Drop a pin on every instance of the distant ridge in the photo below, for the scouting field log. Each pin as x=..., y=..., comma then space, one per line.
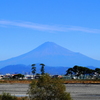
x=23, y=69
x=51, y=54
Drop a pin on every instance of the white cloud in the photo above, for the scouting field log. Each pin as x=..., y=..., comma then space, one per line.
x=48, y=27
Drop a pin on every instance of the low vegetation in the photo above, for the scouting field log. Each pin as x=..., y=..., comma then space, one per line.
x=65, y=81
x=15, y=81
x=8, y=96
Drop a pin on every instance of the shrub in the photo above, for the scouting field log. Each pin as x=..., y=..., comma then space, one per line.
x=7, y=96
x=46, y=88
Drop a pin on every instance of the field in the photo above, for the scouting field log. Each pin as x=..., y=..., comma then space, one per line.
x=65, y=81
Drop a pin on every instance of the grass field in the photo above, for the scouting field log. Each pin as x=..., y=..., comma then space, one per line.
x=92, y=81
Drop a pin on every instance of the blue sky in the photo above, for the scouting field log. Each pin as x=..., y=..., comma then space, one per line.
x=26, y=24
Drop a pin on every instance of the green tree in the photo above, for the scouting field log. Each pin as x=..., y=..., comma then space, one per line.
x=33, y=69
x=75, y=69
x=46, y=88
x=20, y=76
x=70, y=72
x=97, y=70
x=42, y=69
x=17, y=76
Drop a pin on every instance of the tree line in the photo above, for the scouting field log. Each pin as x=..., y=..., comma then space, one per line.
x=80, y=70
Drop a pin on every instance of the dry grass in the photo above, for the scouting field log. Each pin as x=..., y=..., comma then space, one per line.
x=83, y=81
x=65, y=81
x=16, y=81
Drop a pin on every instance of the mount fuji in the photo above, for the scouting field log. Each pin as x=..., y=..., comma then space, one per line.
x=51, y=54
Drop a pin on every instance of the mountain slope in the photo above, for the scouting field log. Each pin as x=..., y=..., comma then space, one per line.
x=52, y=54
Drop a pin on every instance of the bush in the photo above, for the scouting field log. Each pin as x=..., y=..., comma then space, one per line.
x=7, y=96
x=46, y=88
x=23, y=98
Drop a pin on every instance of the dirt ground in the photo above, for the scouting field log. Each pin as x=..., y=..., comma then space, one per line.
x=84, y=91
x=77, y=91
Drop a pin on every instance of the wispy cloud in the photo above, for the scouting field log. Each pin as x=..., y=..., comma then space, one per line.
x=48, y=27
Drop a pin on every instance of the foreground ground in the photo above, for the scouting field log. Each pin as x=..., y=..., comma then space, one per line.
x=84, y=91
x=78, y=91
